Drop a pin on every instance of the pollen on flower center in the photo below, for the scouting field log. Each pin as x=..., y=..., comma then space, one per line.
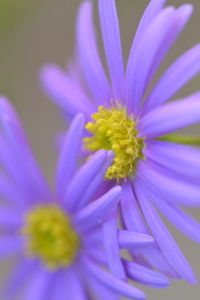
x=51, y=237
x=113, y=129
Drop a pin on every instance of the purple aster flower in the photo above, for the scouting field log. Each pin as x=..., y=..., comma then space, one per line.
x=56, y=237
x=127, y=119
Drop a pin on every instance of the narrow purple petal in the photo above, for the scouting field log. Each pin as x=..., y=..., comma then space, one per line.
x=39, y=285
x=10, y=218
x=171, y=117
x=99, y=289
x=89, y=55
x=132, y=218
x=153, y=8
x=10, y=246
x=18, y=277
x=112, y=248
x=164, y=239
x=183, y=193
x=118, y=286
x=97, y=179
x=181, y=159
x=130, y=240
x=15, y=135
x=146, y=276
x=74, y=286
x=66, y=92
x=181, y=71
x=112, y=44
x=97, y=212
x=83, y=178
x=186, y=224
x=11, y=193
x=69, y=153
x=142, y=61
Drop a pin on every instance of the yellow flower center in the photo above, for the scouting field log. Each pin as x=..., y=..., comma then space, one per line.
x=51, y=237
x=113, y=129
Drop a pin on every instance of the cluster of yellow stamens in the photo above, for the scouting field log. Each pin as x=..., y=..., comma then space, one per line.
x=51, y=237
x=113, y=129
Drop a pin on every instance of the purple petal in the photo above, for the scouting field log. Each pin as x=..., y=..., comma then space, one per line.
x=69, y=153
x=171, y=117
x=66, y=92
x=152, y=10
x=10, y=218
x=181, y=159
x=74, y=286
x=89, y=55
x=10, y=246
x=130, y=240
x=183, y=193
x=141, y=62
x=112, y=248
x=97, y=212
x=112, y=44
x=134, y=222
x=164, y=239
x=182, y=70
x=83, y=178
x=146, y=276
x=100, y=290
x=97, y=180
x=186, y=224
x=38, y=288
x=118, y=286
x=18, y=143
x=18, y=277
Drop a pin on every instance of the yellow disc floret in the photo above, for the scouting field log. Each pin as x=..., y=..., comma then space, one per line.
x=113, y=129
x=50, y=236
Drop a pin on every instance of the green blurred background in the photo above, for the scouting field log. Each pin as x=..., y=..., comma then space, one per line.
x=33, y=32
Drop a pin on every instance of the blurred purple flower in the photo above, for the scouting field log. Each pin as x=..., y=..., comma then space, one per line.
x=57, y=237
x=162, y=174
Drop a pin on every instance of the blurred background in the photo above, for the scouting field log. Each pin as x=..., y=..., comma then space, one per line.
x=34, y=32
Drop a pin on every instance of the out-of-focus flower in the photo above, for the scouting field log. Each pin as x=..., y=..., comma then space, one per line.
x=124, y=117
x=56, y=237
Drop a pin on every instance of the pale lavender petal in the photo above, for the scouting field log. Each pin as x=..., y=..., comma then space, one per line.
x=18, y=143
x=164, y=239
x=183, y=193
x=186, y=224
x=146, y=276
x=10, y=246
x=10, y=218
x=65, y=92
x=112, y=44
x=112, y=248
x=171, y=117
x=142, y=61
x=69, y=153
x=97, y=212
x=130, y=239
x=38, y=288
x=89, y=55
x=181, y=159
x=118, y=286
x=97, y=179
x=84, y=176
x=181, y=71
x=133, y=221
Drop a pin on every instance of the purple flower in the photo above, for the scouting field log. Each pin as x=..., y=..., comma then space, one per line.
x=122, y=116
x=56, y=237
